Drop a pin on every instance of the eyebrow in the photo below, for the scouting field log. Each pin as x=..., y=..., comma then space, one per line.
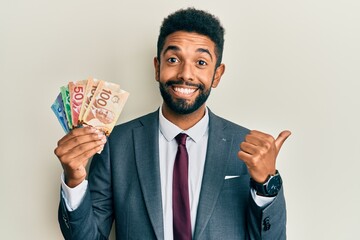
x=177, y=49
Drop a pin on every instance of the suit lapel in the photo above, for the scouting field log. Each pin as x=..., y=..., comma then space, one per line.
x=219, y=145
x=146, y=140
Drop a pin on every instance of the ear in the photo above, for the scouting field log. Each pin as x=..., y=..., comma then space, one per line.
x=217, y=76
x=157, y=69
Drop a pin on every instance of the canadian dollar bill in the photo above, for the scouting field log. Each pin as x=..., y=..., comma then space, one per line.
x=58, y=109
x=90, y=90
x=66, y=99
x=77, y=92
x=92, y=102
x=105, y=107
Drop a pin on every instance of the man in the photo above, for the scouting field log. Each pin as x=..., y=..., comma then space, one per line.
x=134, y=178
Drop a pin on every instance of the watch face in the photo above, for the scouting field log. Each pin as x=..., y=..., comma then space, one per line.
x=274, y=185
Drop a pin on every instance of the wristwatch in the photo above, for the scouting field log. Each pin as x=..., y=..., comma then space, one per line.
x=270, y=188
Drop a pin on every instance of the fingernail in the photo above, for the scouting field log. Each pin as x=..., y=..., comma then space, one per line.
x=104, y=140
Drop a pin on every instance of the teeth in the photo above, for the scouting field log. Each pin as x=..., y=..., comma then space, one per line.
x=184, y=90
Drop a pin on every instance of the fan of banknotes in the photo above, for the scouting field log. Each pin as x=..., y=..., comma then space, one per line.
x=89, y=102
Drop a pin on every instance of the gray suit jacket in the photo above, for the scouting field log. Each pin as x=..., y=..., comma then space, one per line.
x=124, y=184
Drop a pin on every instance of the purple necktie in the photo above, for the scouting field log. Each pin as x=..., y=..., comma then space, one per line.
x=181, y=205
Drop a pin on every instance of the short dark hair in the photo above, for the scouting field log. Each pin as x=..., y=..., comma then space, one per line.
x=193, y=20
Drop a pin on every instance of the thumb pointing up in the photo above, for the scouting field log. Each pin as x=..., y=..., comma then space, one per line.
x=281, y=139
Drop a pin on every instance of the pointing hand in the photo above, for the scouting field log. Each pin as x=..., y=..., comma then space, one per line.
x=259, y=152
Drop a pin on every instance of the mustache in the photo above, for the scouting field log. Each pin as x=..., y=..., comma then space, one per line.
x=182, y=82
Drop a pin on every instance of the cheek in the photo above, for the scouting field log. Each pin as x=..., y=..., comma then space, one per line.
x=167, y=73
x=206, y=77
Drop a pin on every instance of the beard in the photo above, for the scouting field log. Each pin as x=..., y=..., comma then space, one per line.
x=182, y=106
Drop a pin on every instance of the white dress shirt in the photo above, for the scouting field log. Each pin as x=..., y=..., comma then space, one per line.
x=196, y=145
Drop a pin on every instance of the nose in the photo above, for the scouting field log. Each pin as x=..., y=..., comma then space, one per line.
x=186, y=72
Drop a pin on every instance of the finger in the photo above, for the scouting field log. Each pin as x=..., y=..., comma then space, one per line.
x=81, y=161
x=91, y=153
x=68, y=145
x=74, y=164
x=76, y=132
x=261, y=136
x=262, y=140
x=248, y=148
x=78, y=141
x=81, y=151
x=249, y=160
x=244, y=156
x=281, y=139
x=250, y=138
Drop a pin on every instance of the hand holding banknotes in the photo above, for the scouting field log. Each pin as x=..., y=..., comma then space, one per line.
x=74, y=151
x=88, y=111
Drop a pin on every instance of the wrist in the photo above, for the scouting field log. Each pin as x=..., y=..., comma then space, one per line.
x=262, y=177
x=270, y=187
x=74, y=177
x=73, y=182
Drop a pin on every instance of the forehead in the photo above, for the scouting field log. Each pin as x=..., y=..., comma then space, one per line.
x=189, y=41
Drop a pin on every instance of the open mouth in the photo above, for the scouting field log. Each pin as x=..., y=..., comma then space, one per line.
x=183, y=91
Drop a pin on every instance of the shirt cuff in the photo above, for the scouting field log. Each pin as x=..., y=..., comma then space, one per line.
x=260, y=200
x=73, y=197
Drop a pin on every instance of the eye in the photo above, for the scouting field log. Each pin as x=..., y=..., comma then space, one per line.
x=202, y=63
x=172, y=60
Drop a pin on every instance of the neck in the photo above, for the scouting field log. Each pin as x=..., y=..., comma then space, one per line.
x=183, y=121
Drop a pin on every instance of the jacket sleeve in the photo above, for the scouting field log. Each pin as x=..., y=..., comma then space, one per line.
x=269, y=222
x=93, y=218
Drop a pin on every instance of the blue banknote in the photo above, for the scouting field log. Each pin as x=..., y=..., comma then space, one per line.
x=58, y=109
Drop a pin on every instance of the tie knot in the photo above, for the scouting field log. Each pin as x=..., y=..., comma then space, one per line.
x=181, y=139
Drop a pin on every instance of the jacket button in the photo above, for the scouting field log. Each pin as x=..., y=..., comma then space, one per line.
x=266, y=224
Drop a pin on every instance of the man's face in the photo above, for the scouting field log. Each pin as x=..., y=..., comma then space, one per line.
x=186, y=71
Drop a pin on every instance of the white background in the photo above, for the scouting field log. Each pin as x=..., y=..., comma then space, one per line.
x=289, y=65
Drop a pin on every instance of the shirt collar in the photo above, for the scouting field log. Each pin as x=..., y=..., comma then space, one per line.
x=170, y=130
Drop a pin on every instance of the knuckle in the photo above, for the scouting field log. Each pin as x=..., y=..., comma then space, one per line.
x=56, y=152
x=256, y=159
x=63, y=159
x=95, y=136
x=240, y=154
x=257, y=151
x=88, y=155
x=267, y=145
x=72, y=165
x=81, y=148
x=250, y=164
x=76, y=140
x=270, y=138
x=59, y=152
x=262, y=153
